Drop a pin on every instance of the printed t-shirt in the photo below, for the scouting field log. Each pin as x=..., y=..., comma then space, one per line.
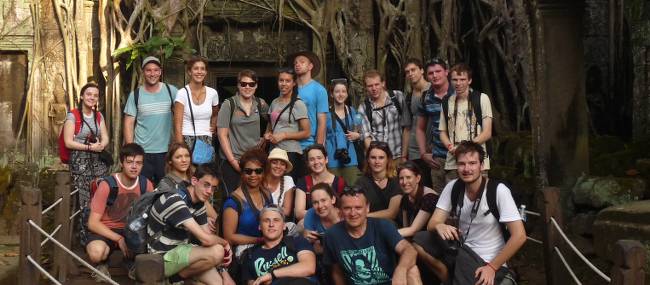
x=260, y=260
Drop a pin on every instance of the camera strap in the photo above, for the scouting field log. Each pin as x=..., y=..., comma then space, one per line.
x=344, y=125
x=474, y=212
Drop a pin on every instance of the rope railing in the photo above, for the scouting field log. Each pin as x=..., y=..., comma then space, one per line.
x=75, y=214
x=42, y=270
x=577, y=252
x=534, y=240
x=74, y=192
x=83, y=262
x=52, y=234
x=566, y=265
x=57, y=202
x=533, y=213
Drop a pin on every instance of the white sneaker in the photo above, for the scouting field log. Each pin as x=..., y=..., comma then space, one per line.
x=103, y=268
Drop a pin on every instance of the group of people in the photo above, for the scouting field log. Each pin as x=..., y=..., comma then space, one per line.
x=313, y=189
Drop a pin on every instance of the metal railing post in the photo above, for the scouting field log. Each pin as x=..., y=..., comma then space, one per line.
x=30, y=240
x=61, y=217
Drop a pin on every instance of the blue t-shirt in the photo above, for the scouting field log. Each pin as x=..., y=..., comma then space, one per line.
x=248, y=219
x=153, y=128
x=315, y=97
x=260, y=261
x=336, y=139
x=312, y=222
x=370, y=259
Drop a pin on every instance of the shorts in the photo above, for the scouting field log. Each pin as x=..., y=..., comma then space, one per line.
x=111, y=244
x=177, y=259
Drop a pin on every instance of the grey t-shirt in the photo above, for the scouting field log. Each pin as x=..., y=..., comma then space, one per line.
x=244, y=130
x=287, y=124
x=85, y=131
x=414, y=150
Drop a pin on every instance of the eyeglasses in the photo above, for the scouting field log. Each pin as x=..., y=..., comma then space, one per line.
x=353, y=191
x=249, y=171
x=249, y=84
x=343, y=81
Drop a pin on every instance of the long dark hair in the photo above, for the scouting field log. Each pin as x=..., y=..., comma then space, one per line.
x=294, y=91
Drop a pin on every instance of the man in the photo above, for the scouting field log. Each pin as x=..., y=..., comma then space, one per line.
x=419, y=86
x=279, y=259
x=307, y=65
x=460, y=120
x=384, y=114
x=148, y=118
x=480, y=229
x=432, y=150
x=176, y=216
x=109, y=207
x=362, y=250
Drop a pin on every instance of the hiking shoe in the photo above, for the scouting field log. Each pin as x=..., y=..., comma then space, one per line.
x=132, y=272
x=103, y=268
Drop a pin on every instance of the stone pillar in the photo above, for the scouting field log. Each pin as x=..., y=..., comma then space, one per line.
x=559, y=109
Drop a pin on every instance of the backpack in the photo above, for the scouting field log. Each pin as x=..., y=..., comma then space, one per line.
x=457, y=192
x=475, y=101
x=309, y=183
x=263, y=117
x=393, y=98
x=137, y=238
x=112, y=196
x=64, y=152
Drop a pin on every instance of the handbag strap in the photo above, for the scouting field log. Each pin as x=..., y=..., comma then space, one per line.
x=344, y=125
x=279, y=115
x=189, y=102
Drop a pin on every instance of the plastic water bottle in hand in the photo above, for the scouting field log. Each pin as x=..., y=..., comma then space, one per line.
x=522, y=212
x=138, y=223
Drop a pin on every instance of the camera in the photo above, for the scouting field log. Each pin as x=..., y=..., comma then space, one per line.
x=342, y=155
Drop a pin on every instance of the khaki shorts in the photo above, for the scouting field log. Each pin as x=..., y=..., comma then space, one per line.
x=177, y=259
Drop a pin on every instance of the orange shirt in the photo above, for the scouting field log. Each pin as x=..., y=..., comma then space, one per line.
x=114, y=217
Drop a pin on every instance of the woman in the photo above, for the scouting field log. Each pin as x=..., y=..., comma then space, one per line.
x=241, y=120
x=242, y=208
x=85, y=135
x=277, y=183
x=417, y=203
x=289, y=121
x=380, y=183
x=343, y=127
x=318, y=173
x=322, y=215
x=196, y=107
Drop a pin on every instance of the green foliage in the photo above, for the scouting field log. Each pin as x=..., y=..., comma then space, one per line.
x=162, y=46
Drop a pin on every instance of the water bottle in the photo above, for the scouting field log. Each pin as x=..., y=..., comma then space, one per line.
x=522, y=212
x=138, y=223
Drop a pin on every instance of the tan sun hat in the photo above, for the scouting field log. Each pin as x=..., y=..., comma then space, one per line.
x=281, y=154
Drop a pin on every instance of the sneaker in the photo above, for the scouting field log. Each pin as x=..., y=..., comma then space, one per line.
x=132, y=272
x=103, y=268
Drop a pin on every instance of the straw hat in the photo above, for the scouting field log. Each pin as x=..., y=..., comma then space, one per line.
x=281, y=154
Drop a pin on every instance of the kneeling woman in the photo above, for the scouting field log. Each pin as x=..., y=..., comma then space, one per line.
x=418, y=202
x=242, y=209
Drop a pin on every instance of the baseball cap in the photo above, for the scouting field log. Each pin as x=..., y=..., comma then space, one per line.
x=150, y=59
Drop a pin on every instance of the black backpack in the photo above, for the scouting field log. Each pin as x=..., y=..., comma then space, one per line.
x=458, y=191
x=475, y=101
x=393, y=98
x=138, y=239
x=114, y=189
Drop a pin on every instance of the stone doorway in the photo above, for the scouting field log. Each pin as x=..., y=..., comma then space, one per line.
x=225, y=80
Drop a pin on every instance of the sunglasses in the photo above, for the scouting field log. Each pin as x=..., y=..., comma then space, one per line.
x=437, y=60
x=249, y=84
x=343, y=81
x=249, y=171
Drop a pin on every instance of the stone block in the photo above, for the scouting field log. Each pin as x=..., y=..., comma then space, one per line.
x=601, y=192
x=149, y=269
x=629, y=221
x=582, y=224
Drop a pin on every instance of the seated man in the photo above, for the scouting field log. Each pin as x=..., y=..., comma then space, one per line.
x=479, y=230
x=110, y=205
x=173, y=217
x=362, y=250
x=279, y=259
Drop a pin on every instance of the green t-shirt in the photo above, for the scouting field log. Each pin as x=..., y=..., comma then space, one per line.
x=153, y=129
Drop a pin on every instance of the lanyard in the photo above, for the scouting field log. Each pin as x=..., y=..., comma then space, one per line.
x=475, y=206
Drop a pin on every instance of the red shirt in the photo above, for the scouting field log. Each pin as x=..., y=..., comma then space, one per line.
x=114, y=217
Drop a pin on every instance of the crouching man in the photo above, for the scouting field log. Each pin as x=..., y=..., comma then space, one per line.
x=110, y=205
x=174, y=216
x=362, y=250
x=481, y=207
x=279, y=259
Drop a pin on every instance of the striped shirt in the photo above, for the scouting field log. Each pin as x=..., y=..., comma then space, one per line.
x=387, y=124
x=172, y=210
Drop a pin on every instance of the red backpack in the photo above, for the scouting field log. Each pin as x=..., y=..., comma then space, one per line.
x=64, y=152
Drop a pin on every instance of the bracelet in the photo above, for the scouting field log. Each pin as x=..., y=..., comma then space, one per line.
x=491, y=266
x=450, y=146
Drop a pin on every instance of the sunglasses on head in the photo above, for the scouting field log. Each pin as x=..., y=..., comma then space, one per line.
x=249, y=84
x=249, y=171
x=353, y=191
x=437, y=60
x=343, y=81
x=378, y=144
